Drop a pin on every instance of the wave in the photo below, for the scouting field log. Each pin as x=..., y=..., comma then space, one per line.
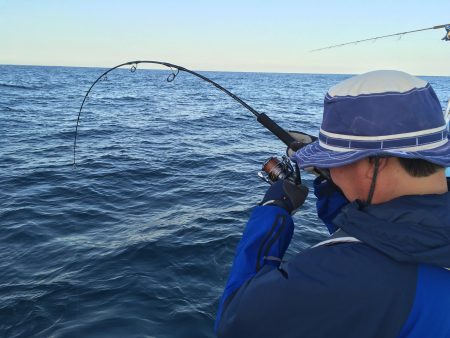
x=6, y=85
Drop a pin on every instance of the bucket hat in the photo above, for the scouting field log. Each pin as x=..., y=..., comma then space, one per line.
x=380, y=113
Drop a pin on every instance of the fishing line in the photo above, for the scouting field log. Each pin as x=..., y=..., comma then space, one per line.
x=262, y=118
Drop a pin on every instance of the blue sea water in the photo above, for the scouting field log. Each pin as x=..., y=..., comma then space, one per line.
x=138, y=239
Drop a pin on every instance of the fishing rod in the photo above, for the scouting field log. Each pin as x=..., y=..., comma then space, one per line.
x=273, y=169
x=445, y=38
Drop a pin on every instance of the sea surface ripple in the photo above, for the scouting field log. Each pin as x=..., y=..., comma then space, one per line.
x=137, y=240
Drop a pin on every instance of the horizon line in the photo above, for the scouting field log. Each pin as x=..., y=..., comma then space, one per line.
x=201, y=70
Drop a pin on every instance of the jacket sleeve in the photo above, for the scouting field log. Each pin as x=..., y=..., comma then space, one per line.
x=263, y=244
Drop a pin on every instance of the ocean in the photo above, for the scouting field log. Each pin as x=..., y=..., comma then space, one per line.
x=137, y=240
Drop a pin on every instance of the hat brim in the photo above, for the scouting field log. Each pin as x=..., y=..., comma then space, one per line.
x=314, y=155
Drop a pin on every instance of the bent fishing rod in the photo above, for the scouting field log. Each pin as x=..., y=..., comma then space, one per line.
x=278, y=167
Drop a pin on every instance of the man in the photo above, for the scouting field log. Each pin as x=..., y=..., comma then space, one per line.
x=383, y=272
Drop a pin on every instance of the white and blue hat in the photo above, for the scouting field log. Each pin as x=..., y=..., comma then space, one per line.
x=380, y=113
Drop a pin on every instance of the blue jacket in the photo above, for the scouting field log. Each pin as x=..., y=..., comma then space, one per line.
x=391, y=283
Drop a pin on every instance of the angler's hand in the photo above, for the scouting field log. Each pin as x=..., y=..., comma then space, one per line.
x=286, y=195
x=330, y=201
x=301, y=140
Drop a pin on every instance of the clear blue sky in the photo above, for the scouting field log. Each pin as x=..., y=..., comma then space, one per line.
x=271, y=36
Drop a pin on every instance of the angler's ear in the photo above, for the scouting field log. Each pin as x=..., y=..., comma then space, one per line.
x=371, y=163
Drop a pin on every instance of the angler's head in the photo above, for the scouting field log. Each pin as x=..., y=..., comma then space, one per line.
x=383, y=119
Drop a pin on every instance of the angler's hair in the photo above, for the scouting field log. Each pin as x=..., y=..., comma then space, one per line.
x=418, y=167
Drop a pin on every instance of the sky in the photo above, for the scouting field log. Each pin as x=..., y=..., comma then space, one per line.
x=248, y=36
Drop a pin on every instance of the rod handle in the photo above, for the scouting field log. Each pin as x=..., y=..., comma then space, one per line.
x=275, y=129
